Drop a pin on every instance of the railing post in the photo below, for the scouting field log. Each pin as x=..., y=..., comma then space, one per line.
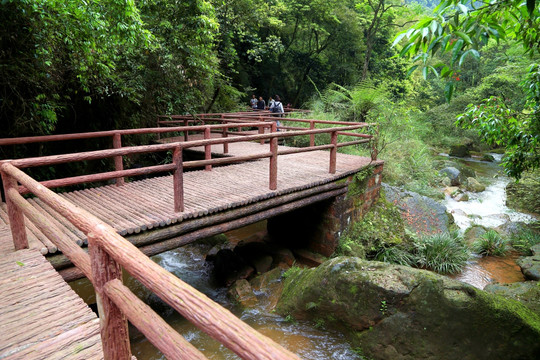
x=178, y=180
x=333, y=152
x=273, y=158
x=311, y=136
x=113, y=324
x=261, y=132
x=118, y=162
x=16, y=217
x=225, y=145
x=158, y=134
x=207, y=149
x=186, y=135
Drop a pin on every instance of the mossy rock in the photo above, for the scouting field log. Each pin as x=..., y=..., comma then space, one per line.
x=527, y=293
x=392, y=311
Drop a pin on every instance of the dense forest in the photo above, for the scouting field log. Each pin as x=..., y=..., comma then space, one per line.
x=413, y=67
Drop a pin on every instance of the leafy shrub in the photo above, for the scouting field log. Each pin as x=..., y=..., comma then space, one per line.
x=396, y=255
x=491, y=243
x=524, y=240
x=445, y=253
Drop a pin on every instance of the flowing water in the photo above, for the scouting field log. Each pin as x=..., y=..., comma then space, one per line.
x=487, y=208
x=188, y=263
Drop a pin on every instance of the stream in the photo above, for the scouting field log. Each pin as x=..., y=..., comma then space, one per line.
x=487, y=208
x=188, y=263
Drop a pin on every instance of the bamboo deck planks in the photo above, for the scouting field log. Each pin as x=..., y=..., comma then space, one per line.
x=146, y=204
x=40, y=315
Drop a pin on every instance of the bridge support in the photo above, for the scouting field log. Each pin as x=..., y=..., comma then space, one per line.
x=318, y=227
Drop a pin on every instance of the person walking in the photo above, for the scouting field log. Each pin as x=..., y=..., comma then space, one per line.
x=277, y=110
x=253, y=102
x=270, y=103
x=261, y=104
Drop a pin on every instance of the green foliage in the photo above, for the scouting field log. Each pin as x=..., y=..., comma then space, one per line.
x=491, y=244
x=524, y=240
x=523, y=195
x=293, y=270
x=458, y=32
x=499, y=124
x=445, y=253
x=56, y=52
x=396, y=255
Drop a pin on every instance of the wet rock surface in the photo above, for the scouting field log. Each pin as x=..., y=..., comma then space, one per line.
x=421, y=213
x=396, y=312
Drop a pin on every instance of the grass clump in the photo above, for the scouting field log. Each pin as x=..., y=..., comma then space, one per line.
x=491, y=244
x=524, y=241
x=445, y=253
x=396, y=255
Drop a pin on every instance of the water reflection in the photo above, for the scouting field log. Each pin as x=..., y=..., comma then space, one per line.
x=482, y=271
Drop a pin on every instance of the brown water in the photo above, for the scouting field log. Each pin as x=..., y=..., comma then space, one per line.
x=188, y=263
x=491, y=269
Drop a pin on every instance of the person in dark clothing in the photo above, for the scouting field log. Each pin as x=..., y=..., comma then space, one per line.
x=261, y=104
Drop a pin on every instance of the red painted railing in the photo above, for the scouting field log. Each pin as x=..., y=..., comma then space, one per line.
x=108, y=254
x=177, y=166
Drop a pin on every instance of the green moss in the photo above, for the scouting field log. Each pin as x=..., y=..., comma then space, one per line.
x=381, y=227
x=359, y=182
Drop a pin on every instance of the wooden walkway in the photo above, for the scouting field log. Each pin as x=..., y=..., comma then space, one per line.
x=41, y=317
x=147, y=204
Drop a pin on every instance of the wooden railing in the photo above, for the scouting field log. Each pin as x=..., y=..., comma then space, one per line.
x=266, y=116
x=108, y=254
x=177, y=165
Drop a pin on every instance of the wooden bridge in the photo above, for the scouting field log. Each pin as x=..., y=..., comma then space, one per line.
x=238, y=182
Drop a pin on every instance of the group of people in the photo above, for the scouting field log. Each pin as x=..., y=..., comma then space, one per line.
x=274, y=105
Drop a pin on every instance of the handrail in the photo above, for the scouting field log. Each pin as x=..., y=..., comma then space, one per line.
x=178, y=164
x=109, y=251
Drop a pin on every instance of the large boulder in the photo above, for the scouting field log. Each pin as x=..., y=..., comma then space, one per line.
x=397, y=312
x=420, y=213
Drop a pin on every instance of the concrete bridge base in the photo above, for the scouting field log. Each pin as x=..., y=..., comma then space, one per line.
x=318, y=227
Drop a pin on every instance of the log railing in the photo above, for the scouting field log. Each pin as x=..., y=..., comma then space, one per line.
x=267, y=117
x=178, y=165
x=108, y=254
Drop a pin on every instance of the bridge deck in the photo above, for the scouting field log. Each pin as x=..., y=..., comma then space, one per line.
x=147, y=204
x=41, y=317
